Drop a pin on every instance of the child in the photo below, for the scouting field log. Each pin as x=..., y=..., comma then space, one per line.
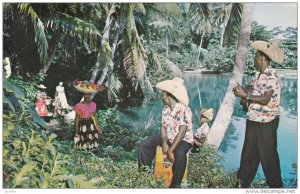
x=200, y=136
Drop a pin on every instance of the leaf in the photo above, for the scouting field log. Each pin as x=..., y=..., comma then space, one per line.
x=20, y=177
x=70, y=183
x=7, y=101
x=12, y=88
x=39, y=30
x=40, y=121
x=5, y=151
x=51, y=137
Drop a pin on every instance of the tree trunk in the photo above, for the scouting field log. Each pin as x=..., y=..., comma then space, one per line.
x=110, y=64
x=200, y=45
x=105, y=39
x=219, y=127
x=224, y=27
x=167, y=43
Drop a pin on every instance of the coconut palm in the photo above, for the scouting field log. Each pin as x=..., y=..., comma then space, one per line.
x=223, y=117
x=55, y=23
x=200, y=22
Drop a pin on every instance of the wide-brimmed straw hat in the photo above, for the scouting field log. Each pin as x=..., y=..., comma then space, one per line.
x=271, y=49
x=87, y=87
x=176, y=88
x=208, y=113
x=41, y=86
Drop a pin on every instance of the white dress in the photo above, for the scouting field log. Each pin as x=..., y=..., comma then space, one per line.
x=61, y=99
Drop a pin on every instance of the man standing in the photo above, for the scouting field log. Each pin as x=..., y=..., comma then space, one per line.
x=176, y=135
x=260, y=145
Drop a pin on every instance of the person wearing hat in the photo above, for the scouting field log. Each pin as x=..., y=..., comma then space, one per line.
x=86, y=124
x=40, y=105
x=176, y=135
x=206, y=116
x=260, y=144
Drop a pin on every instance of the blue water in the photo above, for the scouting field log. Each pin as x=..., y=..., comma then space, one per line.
x=207, y=91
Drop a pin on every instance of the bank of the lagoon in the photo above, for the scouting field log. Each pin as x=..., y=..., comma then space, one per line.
x=212, y=90
x=208, y=90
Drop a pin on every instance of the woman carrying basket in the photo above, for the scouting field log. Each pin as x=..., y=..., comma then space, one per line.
x=86, y=124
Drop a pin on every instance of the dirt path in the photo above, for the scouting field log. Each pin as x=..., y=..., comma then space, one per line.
x=63, y=130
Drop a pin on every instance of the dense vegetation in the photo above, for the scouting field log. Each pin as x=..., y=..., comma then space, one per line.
x=129, y=46
x=34, y=156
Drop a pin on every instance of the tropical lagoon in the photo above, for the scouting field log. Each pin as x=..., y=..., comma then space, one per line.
x=54, y=53
x=207, y=91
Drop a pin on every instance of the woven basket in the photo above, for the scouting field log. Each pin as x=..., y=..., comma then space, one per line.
x=85, y=90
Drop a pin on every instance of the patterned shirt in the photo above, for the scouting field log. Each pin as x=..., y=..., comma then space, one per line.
x=269, y=80
x=202, y=131
x=172, y=119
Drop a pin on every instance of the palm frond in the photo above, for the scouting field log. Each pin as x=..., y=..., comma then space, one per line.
x=233, y=27
x=139, y=8
x=134, y=57
x=114, y=86
x=199, y=9
x=73, y=26
x=156, y=62
x=184, y=7
x=161, y=23
x=39, y=30
x=168, y=8
x=133, y=51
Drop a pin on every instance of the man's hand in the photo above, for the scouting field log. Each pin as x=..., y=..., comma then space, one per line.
x=170, y=155
x=165, y=148
x=239, y=91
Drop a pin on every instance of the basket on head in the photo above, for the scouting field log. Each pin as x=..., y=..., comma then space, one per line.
x=87, y=87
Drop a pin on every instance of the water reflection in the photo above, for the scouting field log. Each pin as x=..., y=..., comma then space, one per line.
x=205, y=91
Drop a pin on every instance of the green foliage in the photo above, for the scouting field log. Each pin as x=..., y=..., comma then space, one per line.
x=119, y=140
x=33, y=157
x=205, y=170
x=220, y=60
x=39, y=30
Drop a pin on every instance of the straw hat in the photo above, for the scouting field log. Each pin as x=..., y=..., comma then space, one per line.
x=271, y=49
x=176, y=88
x=208, y=113
x=41, y=86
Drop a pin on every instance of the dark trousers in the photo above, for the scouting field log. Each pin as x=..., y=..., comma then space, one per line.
x=147, y=151
x=260, y=145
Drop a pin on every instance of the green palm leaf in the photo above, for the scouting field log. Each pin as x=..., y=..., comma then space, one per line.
x=74, y=26
x=39, y=30
x=233, y=27
x=133, y=52
x=168, y=8
x=114, y=87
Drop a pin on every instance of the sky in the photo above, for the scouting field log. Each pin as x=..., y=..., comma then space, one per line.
x=275, y=14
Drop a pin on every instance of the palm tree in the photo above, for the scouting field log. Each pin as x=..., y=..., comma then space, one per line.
x=223, y=117
x=201, y=22
x=223, y=14
x=53, y=23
